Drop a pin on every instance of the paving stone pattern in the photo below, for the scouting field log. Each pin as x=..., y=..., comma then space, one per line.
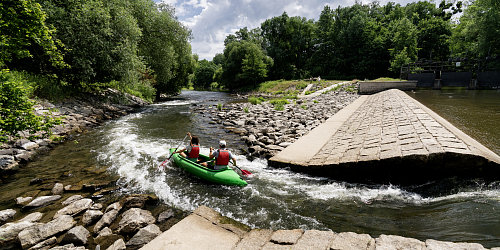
x=388, y=125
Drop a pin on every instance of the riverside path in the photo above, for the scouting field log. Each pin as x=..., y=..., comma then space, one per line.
x=388, y=137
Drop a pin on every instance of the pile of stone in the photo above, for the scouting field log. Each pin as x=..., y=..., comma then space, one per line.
x=83, y=224
x=78, y=114
x=267, y=131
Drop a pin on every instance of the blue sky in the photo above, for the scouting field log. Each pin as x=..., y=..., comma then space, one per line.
x=212, y=20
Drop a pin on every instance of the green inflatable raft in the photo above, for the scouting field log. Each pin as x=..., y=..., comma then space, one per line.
x=225, y=176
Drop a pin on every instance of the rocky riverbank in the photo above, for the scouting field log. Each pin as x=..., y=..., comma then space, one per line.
x=266, y=130
x=78, y=115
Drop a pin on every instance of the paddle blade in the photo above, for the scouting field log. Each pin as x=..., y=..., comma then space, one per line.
x=245, y=172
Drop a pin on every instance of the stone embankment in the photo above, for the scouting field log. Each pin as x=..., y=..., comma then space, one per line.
x=268, y=131
x=78, y=114
x=82, y=224
x=207, y=229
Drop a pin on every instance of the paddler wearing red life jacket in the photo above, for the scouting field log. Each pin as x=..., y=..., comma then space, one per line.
x=222, y=156
x=193, y=150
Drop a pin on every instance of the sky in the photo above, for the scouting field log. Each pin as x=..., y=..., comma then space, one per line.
x=212, y=20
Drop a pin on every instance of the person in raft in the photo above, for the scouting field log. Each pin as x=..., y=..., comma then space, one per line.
x=221, y=155
x=193, y=150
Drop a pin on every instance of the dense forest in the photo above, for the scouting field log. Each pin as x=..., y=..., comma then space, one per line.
x=134, y=45
x=360, y=41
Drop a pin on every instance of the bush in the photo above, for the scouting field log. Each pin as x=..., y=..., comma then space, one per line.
x=315, y=101
x=279, y=101
x=279, y=107
x=246, y=110
x=303, y=106
x=17, y=112
x=219, y=106
x=254, y=100
x=308, y=92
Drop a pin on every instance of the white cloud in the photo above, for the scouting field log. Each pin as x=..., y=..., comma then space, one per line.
x=212, y=20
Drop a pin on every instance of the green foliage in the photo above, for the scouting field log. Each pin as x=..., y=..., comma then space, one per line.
x=303, y=107
x=308, y=92
x=279, y=102
x=279, y=107
x=22, y=27
x=254, y=100
x=219, y=106
x=204, y=74
x=246, y=110
x=315, y=101
x=17, y=112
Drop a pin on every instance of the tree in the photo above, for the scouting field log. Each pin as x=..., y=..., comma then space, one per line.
x=22, y=25
x=404, y=43
x=255, y=65
x=204, y=73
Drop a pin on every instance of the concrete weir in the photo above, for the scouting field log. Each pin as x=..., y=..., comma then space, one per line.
x=388, y=137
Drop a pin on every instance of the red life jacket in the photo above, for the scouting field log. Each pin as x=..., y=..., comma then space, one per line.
x=223, y=158
x=195, y=151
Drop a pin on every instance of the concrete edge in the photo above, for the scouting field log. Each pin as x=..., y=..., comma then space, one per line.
x=474, y=145
x=304, y=149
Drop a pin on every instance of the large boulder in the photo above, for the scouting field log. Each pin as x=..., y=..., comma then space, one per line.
x=42, y=201
x=6, y=215
x=91, y=216
x=134, y=219
x=115, y=206
x=9, y=231
x=68, y=247
x=118, y=245
x=144, y=236
x=138, y=200
x=44, y=244
x=72, y=199
x=77, y=235
x=74, y=208
x=105, y=220
x=106, y=238
x=32, y=235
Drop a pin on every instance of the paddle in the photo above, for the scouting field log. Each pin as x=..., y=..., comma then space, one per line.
x=243, y=172
x=161, y=165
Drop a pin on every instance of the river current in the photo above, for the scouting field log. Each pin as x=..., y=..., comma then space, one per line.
x=131, y=148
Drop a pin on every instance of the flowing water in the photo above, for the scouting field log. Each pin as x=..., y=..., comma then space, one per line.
x=131, y=148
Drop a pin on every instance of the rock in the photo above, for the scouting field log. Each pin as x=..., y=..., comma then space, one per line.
x=77, y=235
x=441, y=245
x=349, y=240
x=9, y=231
x=240, y=131
x=44, y=244
x=165, y=215
x=42, y=201
x=72, y=199
x=398, y=242
x=67, y=247
x=48, y=186
x=134, y=219
x=274, y=147
x=74, y=208
x=32, y=235
x=287, y=237
x=144, y=236
x=96, y=206
x=314, y=239
x=254, y=149
x=7, y=163
x=91, y=216
x=36, y=181
x=115, y=206
x=138, y=200
x=57, y=189
x=106, y=238
x=24, y=157
x=285, y=144
x=29, y=146
x=23, y=200
x=105, y=220
x=76, y=187
x=20, y=142
x=118, y=245
x=6, y=215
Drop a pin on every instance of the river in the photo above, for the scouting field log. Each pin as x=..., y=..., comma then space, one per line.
x=131, y=148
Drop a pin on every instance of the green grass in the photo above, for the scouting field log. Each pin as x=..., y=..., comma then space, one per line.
x=279, y=107
x=219, y=106
x=315, y=101
x=308, y=92
x=279, y=101
x=254, y=100
x=246, y=110
x=286, y=87
x=386, y=79
x=303, y=106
